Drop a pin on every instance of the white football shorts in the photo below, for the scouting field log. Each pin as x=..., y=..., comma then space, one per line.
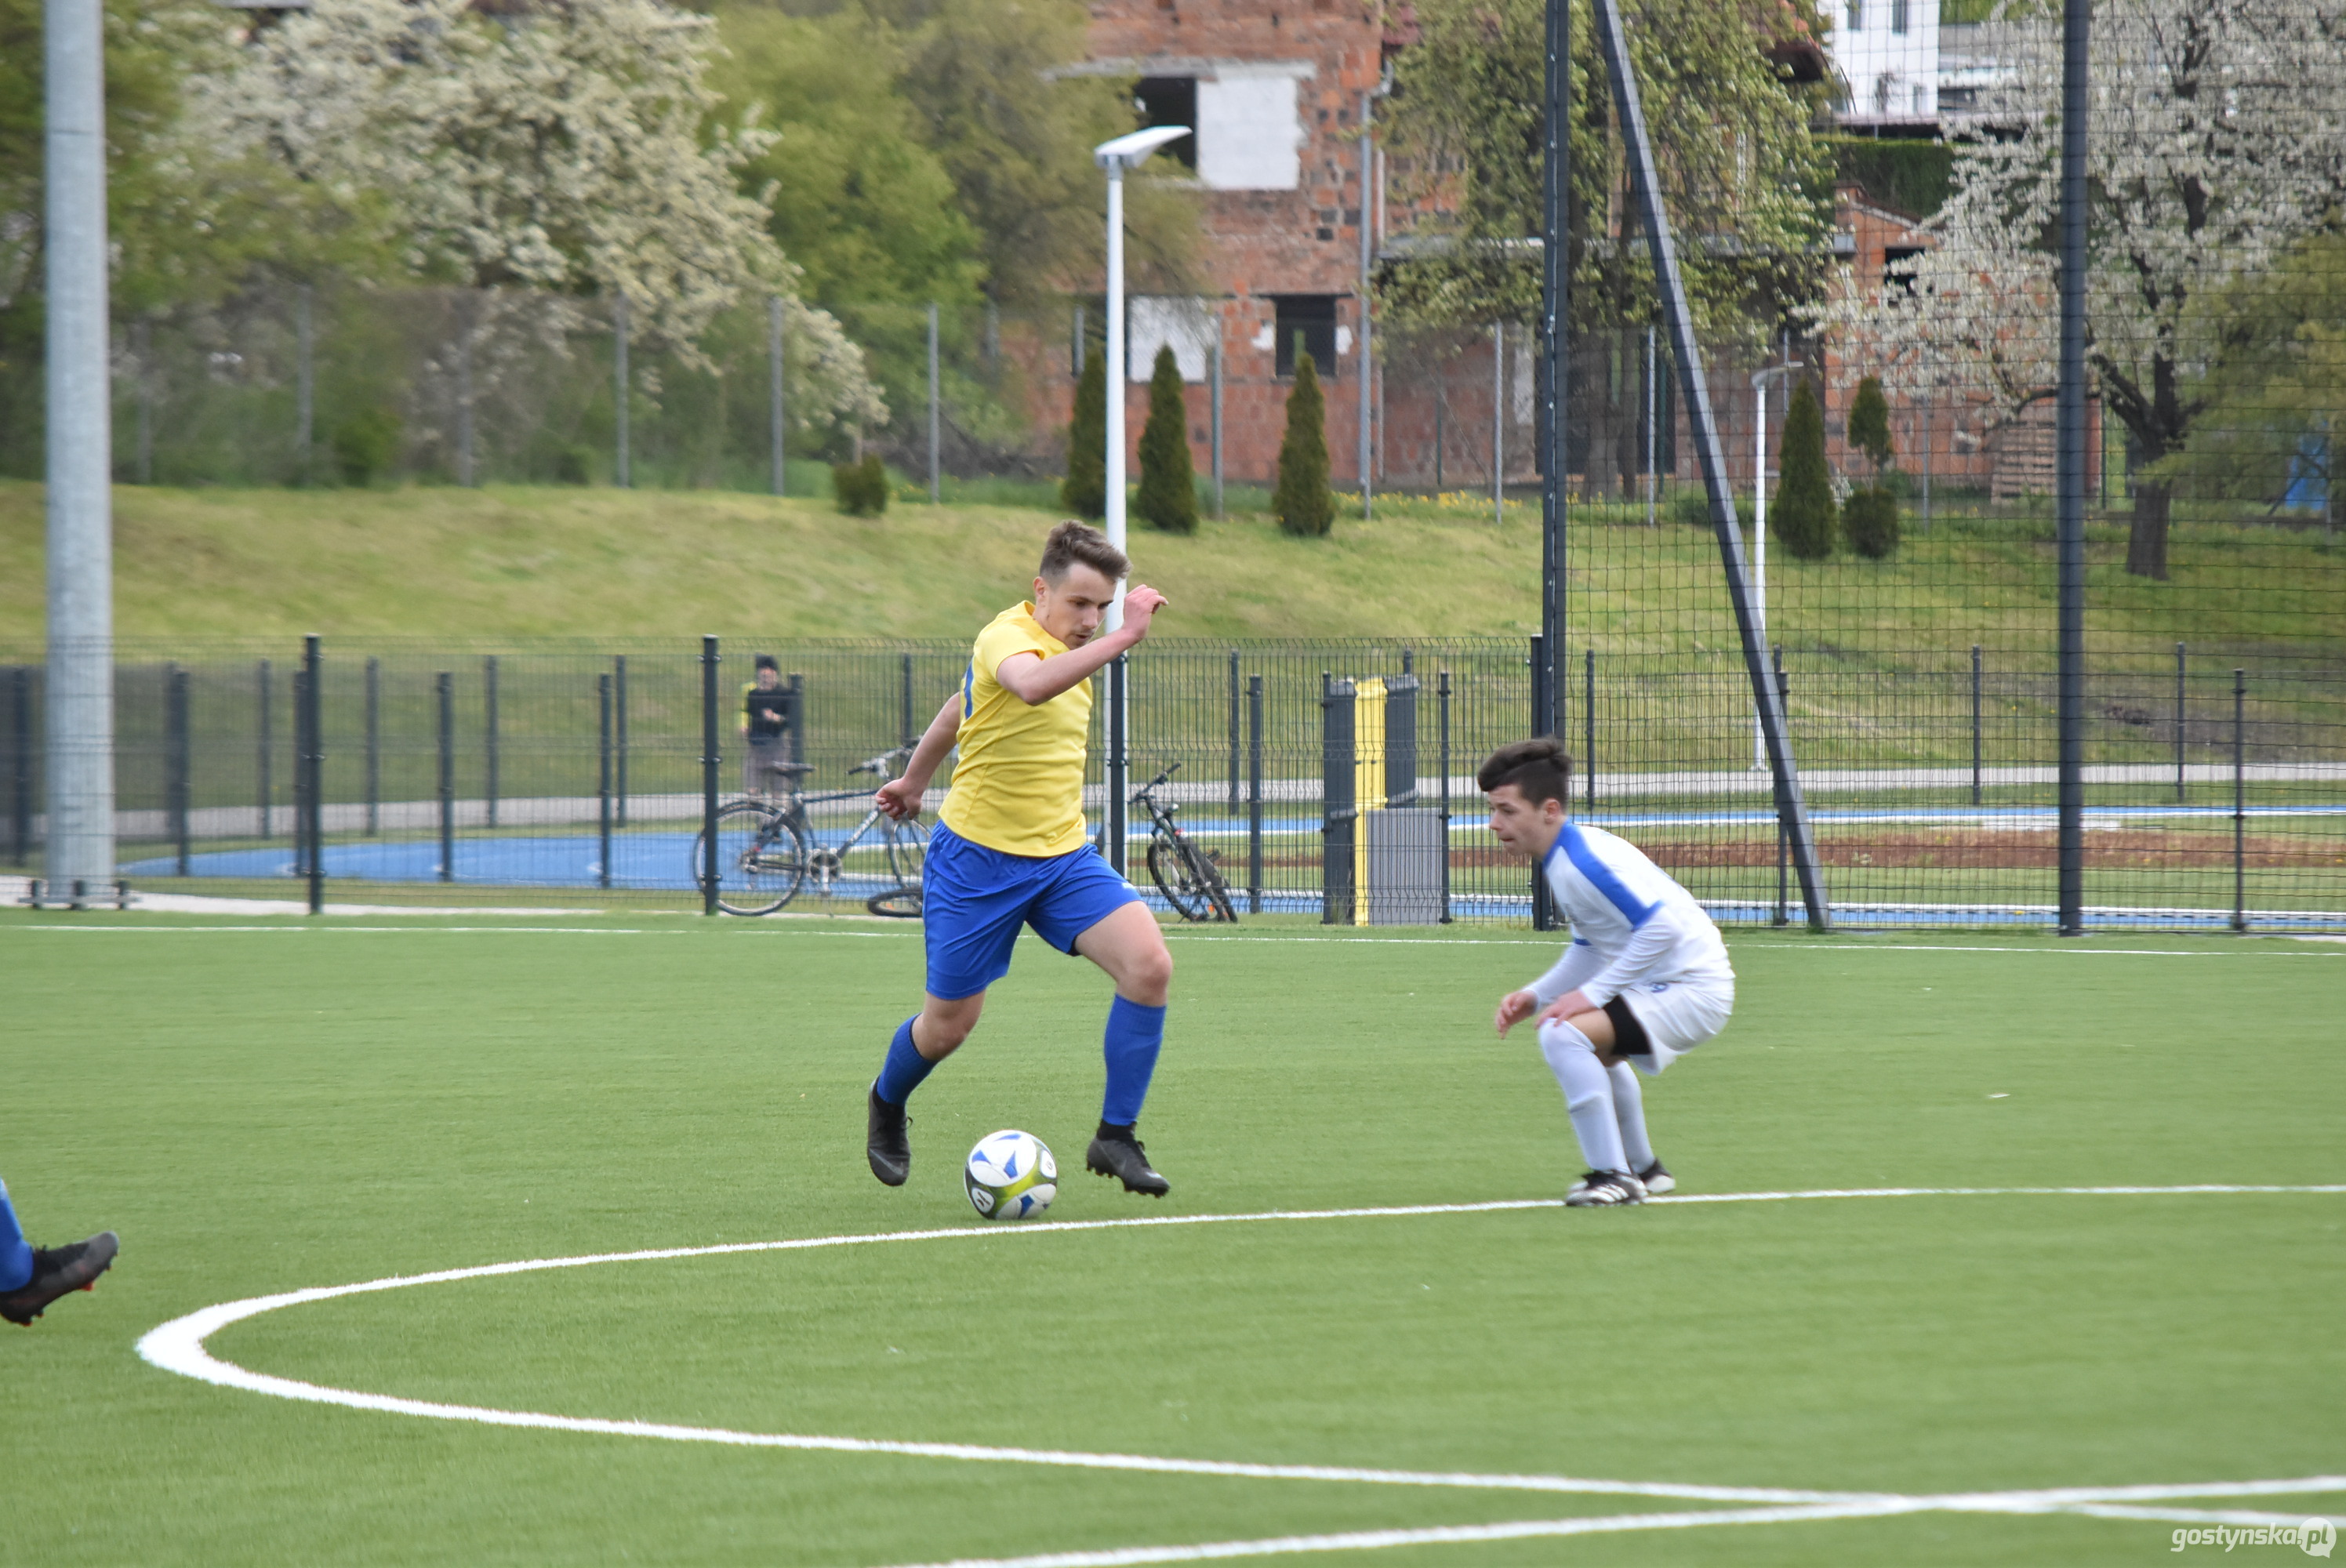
x=1677, y=1015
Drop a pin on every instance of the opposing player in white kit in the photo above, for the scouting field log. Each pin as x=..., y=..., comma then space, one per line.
x=1644, y=979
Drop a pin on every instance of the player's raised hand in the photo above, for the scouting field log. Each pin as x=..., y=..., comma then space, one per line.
x=1140, y=601
x=899, y=799
x=1513, y=1008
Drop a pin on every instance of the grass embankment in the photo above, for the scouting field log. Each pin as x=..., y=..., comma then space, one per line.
x=516, y=561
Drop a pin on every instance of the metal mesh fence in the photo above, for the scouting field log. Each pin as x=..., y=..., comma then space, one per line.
x=503, y=774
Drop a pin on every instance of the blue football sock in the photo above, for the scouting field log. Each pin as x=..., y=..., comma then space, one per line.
x=1135, y=1035
x=16, y=1257
x=902, y=1073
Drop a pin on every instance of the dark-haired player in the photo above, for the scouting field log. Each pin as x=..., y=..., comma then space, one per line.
x=1644, y=979
x=1010, y=851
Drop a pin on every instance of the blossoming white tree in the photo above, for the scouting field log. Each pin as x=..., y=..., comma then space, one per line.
x=2218, y=138
x=567, y=146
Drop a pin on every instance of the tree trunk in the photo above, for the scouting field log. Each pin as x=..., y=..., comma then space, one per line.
x=2146, y=542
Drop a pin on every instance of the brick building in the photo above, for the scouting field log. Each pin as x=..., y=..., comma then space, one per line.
x=1276, y=91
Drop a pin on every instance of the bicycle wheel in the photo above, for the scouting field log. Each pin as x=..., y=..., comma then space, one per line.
x=1210, y=872
x=1176, y=878
x=908, y=850
x=760, y=859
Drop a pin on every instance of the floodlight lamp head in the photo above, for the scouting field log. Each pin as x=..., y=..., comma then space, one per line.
x=1130, y=152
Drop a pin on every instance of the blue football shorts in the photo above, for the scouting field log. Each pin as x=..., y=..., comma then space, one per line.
x=973, y=900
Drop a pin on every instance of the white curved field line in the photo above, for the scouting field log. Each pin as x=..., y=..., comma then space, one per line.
x=179, y=1346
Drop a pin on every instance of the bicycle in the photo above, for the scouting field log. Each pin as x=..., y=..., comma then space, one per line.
x=766, y=852
x=1190, y=878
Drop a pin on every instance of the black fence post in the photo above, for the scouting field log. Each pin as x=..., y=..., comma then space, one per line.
x=1588, y=721
x=1976, y=724
x=907, y=726
x=373, y=747
x=301, y=776
x=446, y=685
x=20, y=791
x=795, y=722
x=2239, y=800
x=176, y=790
x=603, y=780
x=313, y=773
x=267, y=781
x=1339, y=807
x=489, y=735
x=1543, y=719
x=1254, y=794
x=1442, y=706
x=1234, y=732
x=619, y=736
x=2179, y=658
x=708, y=759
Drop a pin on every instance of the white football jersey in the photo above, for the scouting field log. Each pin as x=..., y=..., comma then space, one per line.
x=1632, y=924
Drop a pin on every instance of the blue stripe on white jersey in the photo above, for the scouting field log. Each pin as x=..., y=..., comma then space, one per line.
x=1631, y=921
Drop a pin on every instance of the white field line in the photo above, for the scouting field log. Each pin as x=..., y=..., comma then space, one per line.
x=179, y=1346
x=1595, y=1524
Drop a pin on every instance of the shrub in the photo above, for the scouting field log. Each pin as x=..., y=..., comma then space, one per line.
x=1168, y=486
x=1868, y=521
x=1693, y=507
x=1084, y=490
x=1803, y=514
x=573, y=465
x=1869, y=424
x=861, y=488
x=1302, y=503
x=366, y=445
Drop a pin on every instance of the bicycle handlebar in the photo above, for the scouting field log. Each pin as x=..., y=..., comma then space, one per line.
x=882, y=763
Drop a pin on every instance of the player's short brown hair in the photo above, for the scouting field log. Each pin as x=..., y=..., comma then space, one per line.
x=1072, y=543
x=1541, y=769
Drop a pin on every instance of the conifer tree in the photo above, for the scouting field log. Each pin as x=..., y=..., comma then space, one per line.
x=1084, y=490
x=1302, y=503
x=1869, y=518
x=1803, y=514
x=1169, y=490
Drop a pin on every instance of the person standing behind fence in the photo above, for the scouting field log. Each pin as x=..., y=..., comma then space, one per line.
x=766, y=725
x=1010, y=851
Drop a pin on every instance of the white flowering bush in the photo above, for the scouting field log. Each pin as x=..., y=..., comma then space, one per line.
x=572, y=148
x=2218, y=138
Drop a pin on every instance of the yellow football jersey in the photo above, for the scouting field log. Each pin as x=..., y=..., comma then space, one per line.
x=1018, y=784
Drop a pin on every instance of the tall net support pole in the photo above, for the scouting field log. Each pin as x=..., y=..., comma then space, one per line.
x=1791, y=809
x=80, y=545
x=1548, y=714
x=2070, y=479
x=1368, y=261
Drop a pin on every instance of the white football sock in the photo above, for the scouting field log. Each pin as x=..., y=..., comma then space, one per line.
x=1588, y=1094
x=1629, y=1111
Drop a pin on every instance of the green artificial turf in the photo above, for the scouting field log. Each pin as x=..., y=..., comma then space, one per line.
x=263, y=1110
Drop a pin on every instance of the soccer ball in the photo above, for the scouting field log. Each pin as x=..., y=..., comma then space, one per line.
x=1011, y=1176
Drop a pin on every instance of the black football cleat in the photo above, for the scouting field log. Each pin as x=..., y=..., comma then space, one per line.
x=1122, y=1155
x=885, y=1142
x=1656, y=1180
x=56, y=1271
x=1605, y=1189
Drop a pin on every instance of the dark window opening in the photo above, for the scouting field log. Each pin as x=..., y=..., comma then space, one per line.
x=1312, y=318
x=1170, y=101
x=1898, y=266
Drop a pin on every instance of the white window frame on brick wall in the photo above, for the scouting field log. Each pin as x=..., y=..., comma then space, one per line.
x=1152, y=322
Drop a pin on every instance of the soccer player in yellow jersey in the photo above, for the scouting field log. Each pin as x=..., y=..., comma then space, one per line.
x=1010, y=850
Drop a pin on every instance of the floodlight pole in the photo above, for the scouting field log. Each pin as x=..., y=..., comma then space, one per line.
x=1791, y=809
x=80, y=676
x=1117, y=157
x=1759, y=526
